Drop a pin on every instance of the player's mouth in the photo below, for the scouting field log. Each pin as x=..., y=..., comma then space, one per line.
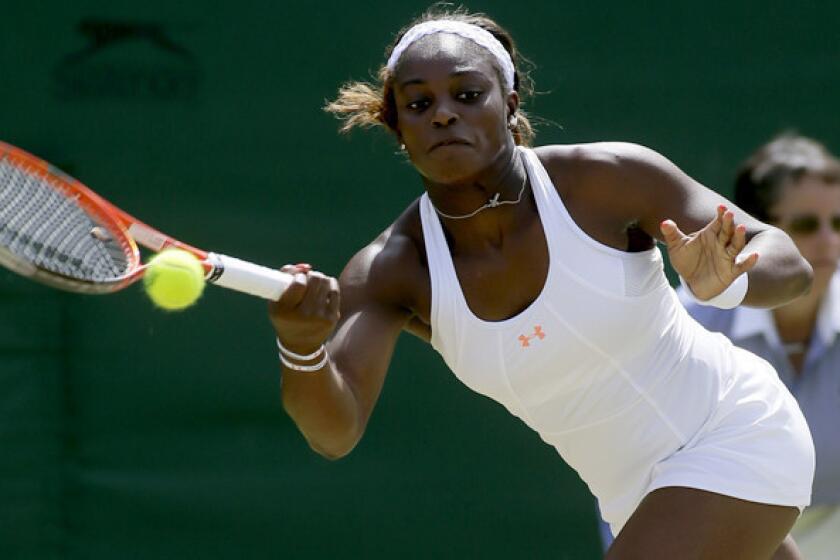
x=447, y=142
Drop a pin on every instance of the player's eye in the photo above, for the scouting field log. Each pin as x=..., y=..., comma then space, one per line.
x=468, y=95
x=417, y=105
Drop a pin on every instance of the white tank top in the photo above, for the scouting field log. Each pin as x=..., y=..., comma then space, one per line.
x=605, y=364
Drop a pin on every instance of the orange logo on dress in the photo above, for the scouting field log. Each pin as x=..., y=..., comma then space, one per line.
x=525, y=340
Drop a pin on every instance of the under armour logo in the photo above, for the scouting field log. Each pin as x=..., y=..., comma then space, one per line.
x=525, y=340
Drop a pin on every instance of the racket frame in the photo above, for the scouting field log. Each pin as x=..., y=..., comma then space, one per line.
x=245, y=277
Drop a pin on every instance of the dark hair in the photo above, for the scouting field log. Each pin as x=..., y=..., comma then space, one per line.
x=784, y=160
x=366, y=105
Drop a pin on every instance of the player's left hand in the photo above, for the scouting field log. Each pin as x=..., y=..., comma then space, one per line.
x=709, y=260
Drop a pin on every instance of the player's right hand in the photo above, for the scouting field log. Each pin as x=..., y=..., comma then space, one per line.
x=307, y=312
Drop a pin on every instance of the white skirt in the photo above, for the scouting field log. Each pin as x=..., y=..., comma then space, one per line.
x=755, y=446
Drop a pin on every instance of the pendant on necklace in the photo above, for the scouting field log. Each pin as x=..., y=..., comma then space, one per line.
x=493, y=202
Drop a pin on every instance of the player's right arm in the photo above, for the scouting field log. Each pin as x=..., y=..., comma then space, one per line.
x=331, y=406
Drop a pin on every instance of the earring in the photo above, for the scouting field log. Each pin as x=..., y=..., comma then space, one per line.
x=513, y=122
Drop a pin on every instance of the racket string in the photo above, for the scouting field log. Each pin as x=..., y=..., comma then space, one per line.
x=17, y=226
x=45, y=226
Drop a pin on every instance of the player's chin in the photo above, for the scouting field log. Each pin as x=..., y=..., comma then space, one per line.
x=446, y=165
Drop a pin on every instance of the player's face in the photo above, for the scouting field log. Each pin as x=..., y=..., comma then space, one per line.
x=451, y=113
x=809, y=211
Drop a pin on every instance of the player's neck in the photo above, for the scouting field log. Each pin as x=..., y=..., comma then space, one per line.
x=506, y=181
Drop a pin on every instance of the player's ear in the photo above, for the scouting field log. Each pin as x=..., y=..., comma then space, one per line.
x=512, y=103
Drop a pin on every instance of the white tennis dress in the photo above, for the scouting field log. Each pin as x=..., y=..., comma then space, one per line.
x=609, y=369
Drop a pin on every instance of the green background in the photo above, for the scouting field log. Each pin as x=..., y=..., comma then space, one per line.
x=129, y=433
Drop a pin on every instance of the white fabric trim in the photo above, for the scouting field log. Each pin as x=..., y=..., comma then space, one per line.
x=474, y=33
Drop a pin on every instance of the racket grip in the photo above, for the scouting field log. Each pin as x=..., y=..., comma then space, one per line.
x=246, y=277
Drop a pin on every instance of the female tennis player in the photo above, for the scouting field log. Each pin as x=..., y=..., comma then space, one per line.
x=535, y=274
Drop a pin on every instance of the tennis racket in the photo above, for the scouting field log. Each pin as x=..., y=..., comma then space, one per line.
x=55, y=230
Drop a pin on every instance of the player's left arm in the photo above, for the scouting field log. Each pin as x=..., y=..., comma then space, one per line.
x=721, y=240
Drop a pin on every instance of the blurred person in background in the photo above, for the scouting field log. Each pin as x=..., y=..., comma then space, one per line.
x=793, y=182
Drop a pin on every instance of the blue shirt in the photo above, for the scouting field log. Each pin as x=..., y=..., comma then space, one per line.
x=817, y=387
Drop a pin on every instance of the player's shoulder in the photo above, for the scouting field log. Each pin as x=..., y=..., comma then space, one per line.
x=614, y=175
x=597, y=158
x=392, y=267
x=400, y=248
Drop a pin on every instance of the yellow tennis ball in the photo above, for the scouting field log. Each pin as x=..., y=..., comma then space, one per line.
x=174, y=279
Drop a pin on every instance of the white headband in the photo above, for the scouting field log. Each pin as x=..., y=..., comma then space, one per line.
x=474, y=33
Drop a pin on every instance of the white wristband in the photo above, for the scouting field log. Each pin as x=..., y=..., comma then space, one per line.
x=729, y=298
